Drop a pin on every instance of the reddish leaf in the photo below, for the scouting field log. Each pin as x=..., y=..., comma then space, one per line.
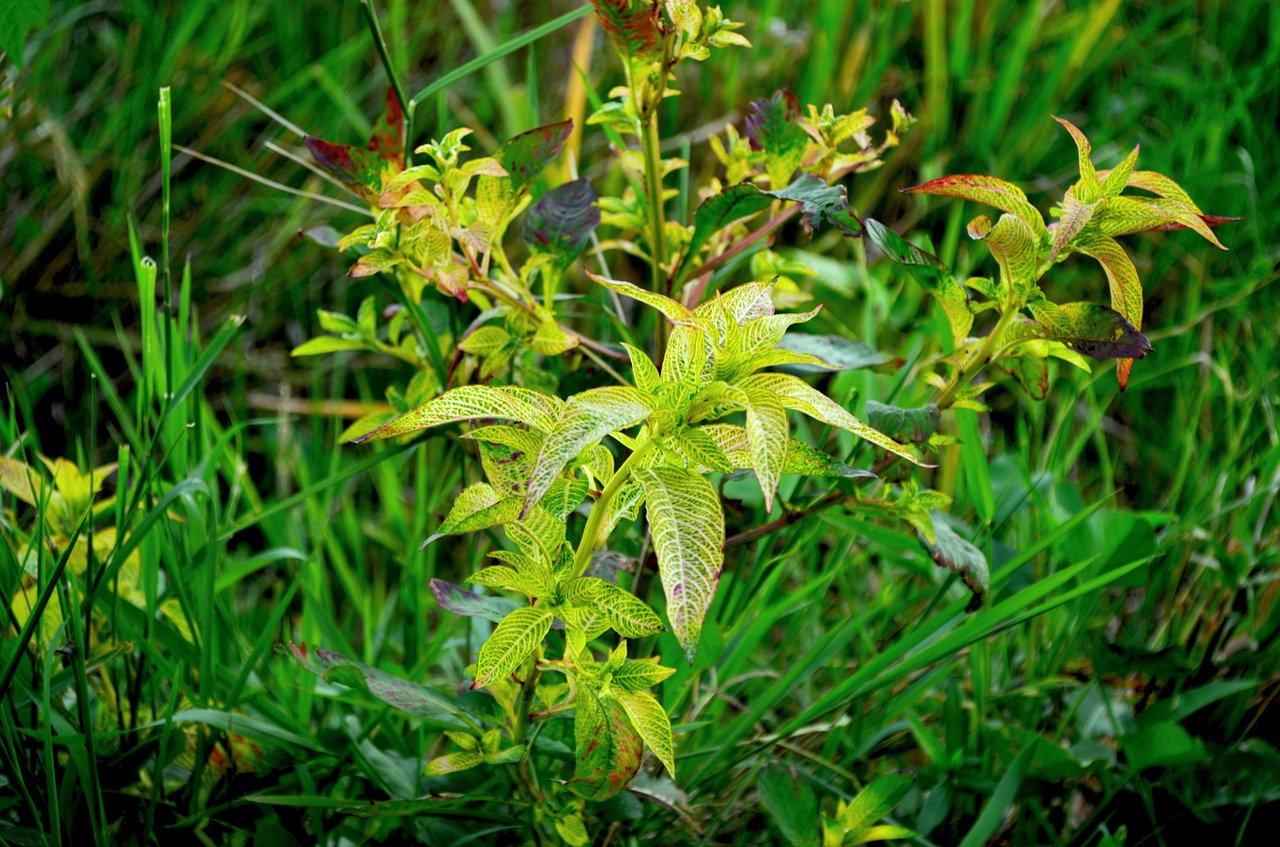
x=632, y=26
x=989, y=191
x=608, y=747
x=526, y=155
x=359, y=171
x=772, y=127
x=1089, y=188
x=387, y=139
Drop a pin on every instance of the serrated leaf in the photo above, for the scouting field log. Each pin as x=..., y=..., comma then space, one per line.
x=773, y=127
x=911, y=425
x=1012, y=245
x=989, y=191
x=1096, y=331
x=413, y=698
x=957, y=554
x=1126, y=288
x=653, y=725
x=768, y=433
x=799, y=395
x=468, y=402
x=720, y=210
x=932, y=274
x=687, y=524
x=469, y=604
x=629, y=616
x=607, y=747
x=835, y=352
x=587, y=418
x=512, y=642
x=640, y=674
x=820, y=204
x=673, y=311
x=561, y=223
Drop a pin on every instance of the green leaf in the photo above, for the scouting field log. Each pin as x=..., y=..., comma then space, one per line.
x=791, y=805
x=607, y=747
x=328, y=344
x=552, y=340
x=485, y=340
x=1089, y=188
x=1030, y=369
x=1162, y=745
x=523, y=157
x=988, y=191
x=460, y=601
x=1127, y=215
x=1115, y=181
x=912, y=425
x=572, y=830
x=652, y=723
x=1075, y=216
x=835, y=351
x=17, y=18
x=768, y=433
x=820, y=203
x=1095, y=331
x=512, y=642
x=875, y=801
x=773, y=126
x=640, y=674
x=687, y=524
x=1013, y=246
x=561, y=223
x=673, y=311
x=470, y=402
x=698, y=449
x=587, y=418
x=720, y=210
x=800, y=459
x=799, y=395
x=1126, y=288
x=932, y=274
x=881, y=833
x=454, y=762
x=417, y=700
x=957, y=554
x=629, y=616
x=478, y=507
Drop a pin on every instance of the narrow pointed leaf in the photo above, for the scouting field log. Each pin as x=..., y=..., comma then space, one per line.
x=468, y=402
x=640, y=674
x=1075, y=216
x=717, y=212
x=1089, y=188
x=932, y=274
x=687, y=524
x=1114, y=181
x=523, y=157
x=672, y=310
x=768, y=433
x=653, y=725
x=800, y=457
x=1093, y=330
x=989, y=191
x=629, y=616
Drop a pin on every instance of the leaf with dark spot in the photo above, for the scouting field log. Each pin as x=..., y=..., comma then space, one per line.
x=956, y=554
x=1093, y=330
x=561, y=222
x=608, y=748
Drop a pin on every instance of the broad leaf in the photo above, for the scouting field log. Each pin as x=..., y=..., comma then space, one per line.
x=957, y=554
x=687, y=524
x=640, y=674
x=911, y=425
x=1126, y=288
x=989, y=191
x=652, y=723
x=561, y=223
x=608, y=748
x=587, y=418
x=791, y=805
x=469, y=604
x=523, y=157
x=417, y=700
x=632, y=26
x=773, y=127
x=629, y=616
x=932, y=274
x=875, y=801
x=800, y=457
x=1126, y=215
x=1012, y=245
x=512, y=642
x=468, y=402
x=835, y=351
x=478, y=507
x=820, y=203
x=717, y=212
x=768, y=433
x=1096, y=331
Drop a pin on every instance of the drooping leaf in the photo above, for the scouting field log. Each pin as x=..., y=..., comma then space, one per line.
x=773, y=127
x=1096, y=331
x=552, y=340
x=673, y=311
x=454, y=762
x=561, y=223
x=820, y=204
x=607, y=747
x=910, y=425
x=478, y=507
x=468, y=402
x=989, y=191
x=1012, y=245
x=1126, y=288
x=511, y=643
x=687, y=524
x=413, y=698
x=469, y=604
x=932, y=274
x=799, y=395
x=717, y=212
x=957, y=554
x=587, y=418
x=652, y=723
x=836, y=351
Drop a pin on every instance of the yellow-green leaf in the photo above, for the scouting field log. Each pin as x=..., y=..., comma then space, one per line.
x=608, y=748
x=512, y=642
x=469, y=402
x=651, y=721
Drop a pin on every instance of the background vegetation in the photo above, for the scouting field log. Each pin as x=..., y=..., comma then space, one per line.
x=834, y=651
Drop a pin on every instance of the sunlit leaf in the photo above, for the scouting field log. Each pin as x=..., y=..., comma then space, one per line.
x=989, y=191
x=672, y=310
x=652, y=723
x=468, y=402
x=1089, y=188
x=1012, y=245
x=773, y=127
x=511, y=643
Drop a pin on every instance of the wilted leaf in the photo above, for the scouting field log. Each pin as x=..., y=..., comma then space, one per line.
x=956, y=554
x=607, y=747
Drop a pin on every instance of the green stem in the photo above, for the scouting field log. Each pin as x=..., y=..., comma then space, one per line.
x=587, y=546
x=653, y=187
x=371, y=19
x=978, y=361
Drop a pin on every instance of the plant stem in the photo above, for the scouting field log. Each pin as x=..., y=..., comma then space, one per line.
x=366, y=6
x=979, y=360
x=768, y=228
x=587, y=546
x=653, y=187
